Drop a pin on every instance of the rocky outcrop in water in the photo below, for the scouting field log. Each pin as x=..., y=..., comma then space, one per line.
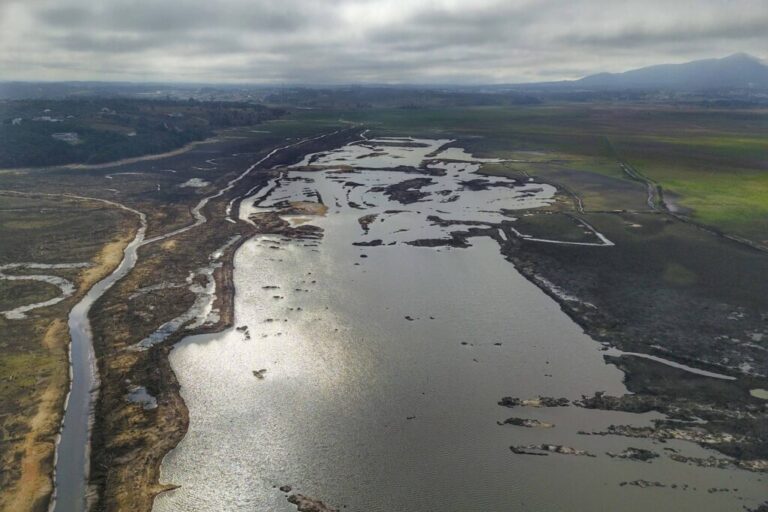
x=546, y=449
x=455, y=241
x=630, y=453
x=625, y=403
x=526, y=422
x=406, y=192
x=307, y=504
x=542, y=401
x=709, y=462
x=372, y=243
x=366, y=220
x=643, y=484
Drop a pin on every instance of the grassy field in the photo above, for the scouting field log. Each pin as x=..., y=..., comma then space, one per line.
x=713, y=162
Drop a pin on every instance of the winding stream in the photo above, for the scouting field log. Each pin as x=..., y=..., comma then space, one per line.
x=65, y=286
x=73, y=444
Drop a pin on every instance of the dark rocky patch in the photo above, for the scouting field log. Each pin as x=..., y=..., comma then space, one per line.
x=526, y=422
x=545, y=448
x=643, y=483
x=372, y=243
x=455, y=241
x=630, y=453
x=405, y=192
x=307, y=504
x=366, y=220
x=543, y=401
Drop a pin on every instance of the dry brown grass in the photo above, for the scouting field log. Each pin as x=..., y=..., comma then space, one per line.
x=107, y=260
x=33, y=490
x=169, y=245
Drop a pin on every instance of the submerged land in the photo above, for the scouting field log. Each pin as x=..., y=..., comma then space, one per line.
x=653, y=239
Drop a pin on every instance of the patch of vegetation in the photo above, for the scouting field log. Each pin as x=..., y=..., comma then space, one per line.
x=554, y=226
x=15, y=293
x=677, y=274
x=51, y=230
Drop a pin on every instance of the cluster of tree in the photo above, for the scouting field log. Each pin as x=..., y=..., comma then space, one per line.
x=111, y=129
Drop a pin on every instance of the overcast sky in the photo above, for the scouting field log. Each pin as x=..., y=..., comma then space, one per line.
x=374, y=41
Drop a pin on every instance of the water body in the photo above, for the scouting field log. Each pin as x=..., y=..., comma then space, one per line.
x=378, y=377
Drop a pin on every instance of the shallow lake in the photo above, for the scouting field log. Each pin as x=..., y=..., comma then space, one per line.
x=383, y=372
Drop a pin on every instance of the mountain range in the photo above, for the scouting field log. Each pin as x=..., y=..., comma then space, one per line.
x=738, y=71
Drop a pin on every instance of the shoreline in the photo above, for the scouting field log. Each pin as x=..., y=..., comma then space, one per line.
x=662, y=376
x=170, y=429
x=226, y=297
x=226, y=304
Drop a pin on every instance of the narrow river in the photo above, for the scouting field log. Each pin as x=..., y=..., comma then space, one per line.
x=73, y=446
x=369, y=376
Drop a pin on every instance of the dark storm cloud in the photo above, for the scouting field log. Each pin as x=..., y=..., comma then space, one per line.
x=322, y=41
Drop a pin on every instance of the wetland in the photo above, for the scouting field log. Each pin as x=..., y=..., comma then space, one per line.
x=377, y=310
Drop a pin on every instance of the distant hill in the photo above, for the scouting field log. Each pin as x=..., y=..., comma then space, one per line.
x=738, y=71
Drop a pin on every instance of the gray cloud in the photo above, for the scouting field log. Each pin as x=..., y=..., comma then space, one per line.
x=338, y=41
x=727, y=29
